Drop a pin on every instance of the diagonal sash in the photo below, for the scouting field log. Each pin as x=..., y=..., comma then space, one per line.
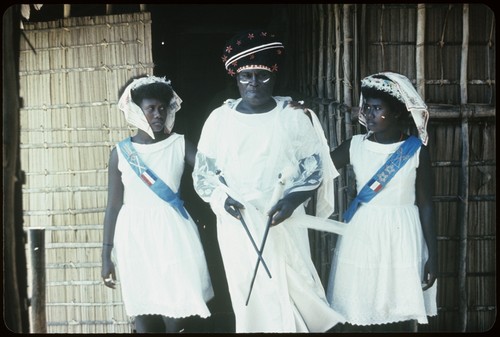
x=157, y=185
x=384, y=175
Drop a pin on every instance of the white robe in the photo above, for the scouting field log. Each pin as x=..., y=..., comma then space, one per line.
x=251, y=151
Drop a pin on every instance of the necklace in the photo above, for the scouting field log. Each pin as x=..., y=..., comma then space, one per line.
x=375, y=138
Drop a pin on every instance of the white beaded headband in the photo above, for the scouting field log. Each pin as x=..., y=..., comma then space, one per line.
x=272, y=45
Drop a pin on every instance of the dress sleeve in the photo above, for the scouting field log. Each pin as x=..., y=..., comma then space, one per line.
x=315, y=168
x=205, y=179
x=306, y=146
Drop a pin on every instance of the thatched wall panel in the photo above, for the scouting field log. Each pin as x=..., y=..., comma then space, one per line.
x=446, y=215
x=465, y=209
x=482, y=303
x=445, y=180
x=69, y=124
x=447, y=295
x=448, y=258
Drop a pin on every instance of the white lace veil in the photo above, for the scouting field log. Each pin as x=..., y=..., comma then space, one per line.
x=134, y=114
x=401, y=88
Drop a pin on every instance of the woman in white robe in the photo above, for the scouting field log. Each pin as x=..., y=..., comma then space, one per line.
x=266, y=150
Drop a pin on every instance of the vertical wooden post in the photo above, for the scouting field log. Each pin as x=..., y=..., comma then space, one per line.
x=336, y=12
x=356, y=55
x=321, y=48
x=420, y=50
x=464, y=181
x=37, y=250
x=15, y=299
x=363, y=59
x=329, y=53
x=347, y=67
x=332, y=134
x=67, y=11
x=465, y=55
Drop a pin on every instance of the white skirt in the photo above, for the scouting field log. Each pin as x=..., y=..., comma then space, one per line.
x=161, y=263
x=377, y=268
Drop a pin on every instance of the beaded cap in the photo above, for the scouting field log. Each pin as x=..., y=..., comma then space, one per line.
x=253, y=49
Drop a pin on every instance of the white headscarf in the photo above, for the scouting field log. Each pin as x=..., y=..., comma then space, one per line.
x=401, y=88
x=134, y=114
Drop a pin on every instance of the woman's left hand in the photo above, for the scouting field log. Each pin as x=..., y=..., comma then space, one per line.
x=430, y=275
x=284, y=208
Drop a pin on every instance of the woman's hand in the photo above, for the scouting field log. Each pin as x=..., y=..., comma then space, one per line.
x=108, y=273
x=285, y=207
x=233, y=207
x=430, y=274
x=297, y=105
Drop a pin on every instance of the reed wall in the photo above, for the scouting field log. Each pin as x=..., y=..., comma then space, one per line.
x=70, y=73
x=450, y=58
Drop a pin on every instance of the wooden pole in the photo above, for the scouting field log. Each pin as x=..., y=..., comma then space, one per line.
x=420, y=50
x=320, y=70
x=321, y=48
x=330, y=89
x=67, y=11
x=356, y=55
x=464, y=182
x=15, y=299
x=465, y=55
x=314, y=50
x=463, y=217
x=347, y=67
x=329, y=54
x=363, y=49
x=336, y=11
x=37, y=248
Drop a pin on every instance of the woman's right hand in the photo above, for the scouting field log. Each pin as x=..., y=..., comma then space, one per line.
x=233, y=207
x=108, y=273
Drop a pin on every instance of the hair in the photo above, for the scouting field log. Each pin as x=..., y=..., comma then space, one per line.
x=396, y=107
x=160, y=91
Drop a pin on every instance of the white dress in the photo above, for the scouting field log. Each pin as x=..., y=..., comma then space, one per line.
x=251, y=150
x=160, y=259
x=377, y=269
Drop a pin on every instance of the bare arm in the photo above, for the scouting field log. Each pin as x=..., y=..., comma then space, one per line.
x=424, y=188
x=340, y=156
x=190, y=153
x=115, y=202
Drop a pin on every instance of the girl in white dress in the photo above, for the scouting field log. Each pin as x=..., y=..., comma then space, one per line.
x=160, y=259
x=385, y=265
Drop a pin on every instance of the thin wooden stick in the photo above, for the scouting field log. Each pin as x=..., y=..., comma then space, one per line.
x=261, y=251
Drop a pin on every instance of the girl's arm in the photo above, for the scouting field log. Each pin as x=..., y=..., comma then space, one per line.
x=424, y=188
x=340, y=156
x=190, y=153
x=115, y=202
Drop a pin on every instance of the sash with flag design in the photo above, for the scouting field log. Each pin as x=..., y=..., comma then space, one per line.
x=154, y=182
x=384, y=175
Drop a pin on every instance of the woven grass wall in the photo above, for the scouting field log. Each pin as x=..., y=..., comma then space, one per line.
x=450, y=58
x=70, y=73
